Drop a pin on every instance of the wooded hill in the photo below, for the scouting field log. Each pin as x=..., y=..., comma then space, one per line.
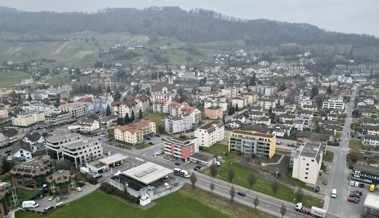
x=191, y=26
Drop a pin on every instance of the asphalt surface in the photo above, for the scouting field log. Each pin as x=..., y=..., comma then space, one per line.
x=340, y=175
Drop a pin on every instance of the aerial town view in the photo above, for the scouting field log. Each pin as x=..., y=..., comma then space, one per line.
x=193, y=109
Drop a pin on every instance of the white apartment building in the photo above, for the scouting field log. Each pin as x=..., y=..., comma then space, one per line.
x=210, y=133
x=307, y=160
x=28, y=119
x=74, y=147
x=216, y=102
x=130, y=105
x=181, y=148
x=75, y=110
x=266, y=103
x=178, y=124
x=36, y=107
x=334, y=104
x=88, y=124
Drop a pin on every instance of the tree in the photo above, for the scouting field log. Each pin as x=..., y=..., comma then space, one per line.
x=7, y=165
x=355, y=113
x=270, y=111
x=223, y=119
x=251, y=179
x=231, y=174
x=30, y=97
x=318, y=128
x=231, y=110
x=236, y=108
x=126, y=118
x=329, y=90
x=193, y=179
x=213, y=170
x=133, y=116
x=140, y=115
x=252, y=81
x=232, y=193
x=314, y=91
x=108, y=111
x=117, y=95
x=275, y=186
x=256, y=202
x=212, y=186
x=283, y=210
x=299, y=194
x=120, y=121
x=109, y=91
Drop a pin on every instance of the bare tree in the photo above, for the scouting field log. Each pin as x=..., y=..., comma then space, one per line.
x=213, y=170
x=232, y=193
x=275, y=187
x=256, y=202
x=283, y=210
x=212, y=186
x=251, y=179
x=299, y=194
x=231, y=174
x=193, y=179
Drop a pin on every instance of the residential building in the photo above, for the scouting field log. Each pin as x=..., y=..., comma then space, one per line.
x=267, y=103
x=108, y=121
x=334, y=104
x=214, y=113
x=31, y=173
x=210, y=133
x=3, y=112
x=136, y=132
x=219, y=101
x=8, y=136
x=366, y=173
x=252, y=98
x=25, y=120
x=8, y=199
x=57, y=118
x=163, y=91
x=178, y=124
x=178, y=109
x=61, y=182
x=252, y=143
x=307, y=160
x=75, y=110
x=181, y=148
x=21, y=150
x=130, y=105
x=54, y=144
x=89, y=124
x=160, y=106
x=371, y=140
x=240, y=102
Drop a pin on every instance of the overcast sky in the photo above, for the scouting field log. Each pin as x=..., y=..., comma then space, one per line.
x=351, y=16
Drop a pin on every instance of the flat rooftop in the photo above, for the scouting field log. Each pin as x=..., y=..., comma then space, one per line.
x=311, y=149
x=372, y=201
x=252, y=133
x=59, y=136
x=79, y=143
x=147, y=173
x=209, y=125
x=113, y=159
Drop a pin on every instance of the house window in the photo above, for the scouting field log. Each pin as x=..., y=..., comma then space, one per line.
x=307, y=164
x=306, y=177
x=306, y=168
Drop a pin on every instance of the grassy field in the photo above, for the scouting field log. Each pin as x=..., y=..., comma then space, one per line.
x=180, y=204
x=282, y=151
x=338, y=135
x=262, y=185
x=143, y=146
x=355, y=144
x=24, y=193
x=329, y=156
x=156, y=118
x=12, y=78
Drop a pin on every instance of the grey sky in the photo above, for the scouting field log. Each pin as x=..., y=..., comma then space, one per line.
x=351, y=16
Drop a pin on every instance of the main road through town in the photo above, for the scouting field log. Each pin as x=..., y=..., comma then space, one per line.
x=340, y=173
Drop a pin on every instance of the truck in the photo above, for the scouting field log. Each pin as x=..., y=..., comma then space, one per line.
x=182, y=173
x=84, y=170
x=29, y=204
x=314, y=211
x=177, y=171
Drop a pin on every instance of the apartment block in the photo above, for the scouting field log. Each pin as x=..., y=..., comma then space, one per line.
x=334, y=104
x=75, y=110
x=178, y=124
x=181, y=148
x=307, y=160
x=240, y=101
x=252, y=143
x=136, y=132
x=130, y=105
x=57, y=118
x=210, y=133
x=28, y=119
x=214, y=113
x=216, y=102
x=74, y=147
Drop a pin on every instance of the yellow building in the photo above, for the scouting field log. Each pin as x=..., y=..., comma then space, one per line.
x=28, y=119
x=3, y=113
x=252, y=143
x=134, y=133
x=252, y=98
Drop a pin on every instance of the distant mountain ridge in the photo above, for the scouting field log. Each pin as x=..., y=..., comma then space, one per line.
x=196, y=25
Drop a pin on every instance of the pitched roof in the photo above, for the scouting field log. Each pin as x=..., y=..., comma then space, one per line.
x=20, y=145
x=134, y=127
x=34, y=136
x=9, y=132
x=159, y=86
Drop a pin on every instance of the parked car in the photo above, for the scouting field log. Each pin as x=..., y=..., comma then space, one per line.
x=98, y=176
x=147, y=138
x=59, y=199
x=361, y=185
x=177, y=163
x=78, y=189
x=166, y=185
x=325, y=182
x=358, y=192
x=157, y=135
x=352, y=200
x=352, y=183
x=51, y=197
x=317, y=189
x=197, y=168
x=243, y=194
x=49, y=208
x=150, y=143
x=354, y=195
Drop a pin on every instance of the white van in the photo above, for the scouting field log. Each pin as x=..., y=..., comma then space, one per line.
x=334, y=193
x=29, y=204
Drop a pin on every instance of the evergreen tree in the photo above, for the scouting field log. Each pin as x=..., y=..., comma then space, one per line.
x=108, y=111
x=314, y=91
x=133, y=116
x=120, y=121
x=30, y=97
x=109, y=91
x=140, y=114
x=252, y=81
x=7, y=165
x=127, y=118
x=117, y=95
x=329, y=90
x=236, y=108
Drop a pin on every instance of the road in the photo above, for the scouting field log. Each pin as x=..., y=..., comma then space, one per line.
x=340, y=179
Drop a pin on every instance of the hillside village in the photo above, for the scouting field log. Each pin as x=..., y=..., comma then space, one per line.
x=280, y=121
